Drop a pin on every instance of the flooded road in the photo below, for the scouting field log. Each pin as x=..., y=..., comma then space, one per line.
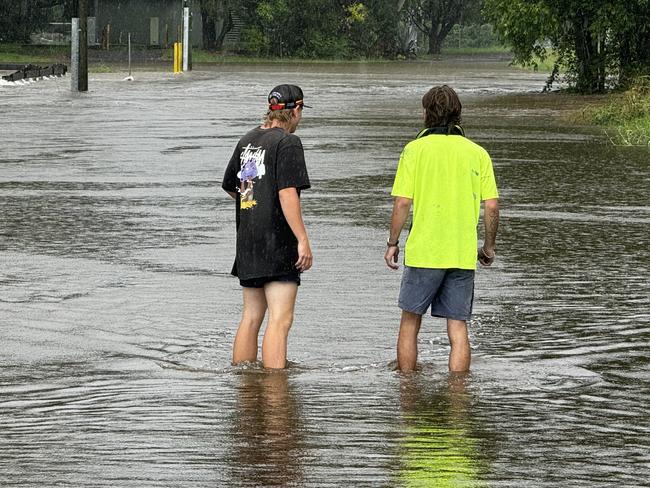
x=117, y=310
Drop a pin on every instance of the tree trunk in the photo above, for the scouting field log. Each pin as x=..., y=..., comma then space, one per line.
x=209, y=30
x=625, y=61
x=434, y=32
x=228, y=24
x=442, y=18
x=587, y=58
x=434, y=43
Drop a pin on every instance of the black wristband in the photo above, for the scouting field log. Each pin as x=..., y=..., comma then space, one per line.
x=388, y=243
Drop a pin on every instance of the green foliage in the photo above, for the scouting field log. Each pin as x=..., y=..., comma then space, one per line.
x=436, y=18
x=272, y=12
x=599, y=43
x=525, y=26
x=322, y=46
x=255, y=41
x=357, y=13
x=636, y=133
x=216, y=20
x=471, y=36
x=19, y=19
x=631, y=105
x=320, y=28
x=369, y=30
x=627, y=116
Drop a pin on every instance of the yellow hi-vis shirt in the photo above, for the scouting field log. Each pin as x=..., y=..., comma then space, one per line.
x=447, y=177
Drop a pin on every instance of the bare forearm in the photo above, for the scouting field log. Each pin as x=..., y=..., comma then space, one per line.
x=491, y=217
x=290, y=203
x=401, y=209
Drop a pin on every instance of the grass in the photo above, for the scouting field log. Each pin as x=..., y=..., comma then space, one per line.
x=201, y=56
x=626, y=117
x=542, y=65
x=634, y=133
x=101, y=68
x=475, y=50
x=547, y=64
x=21, y=54
x=25, y=54
x=208, y=57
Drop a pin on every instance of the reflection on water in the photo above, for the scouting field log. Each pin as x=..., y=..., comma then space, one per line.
x=438, y=448
x=117, y=312
x=267, y=433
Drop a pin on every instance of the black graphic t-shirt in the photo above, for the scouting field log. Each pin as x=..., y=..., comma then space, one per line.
x=264, y=162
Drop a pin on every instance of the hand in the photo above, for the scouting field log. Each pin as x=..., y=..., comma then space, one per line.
x=392, y=253
x=305, y=257
x=486, y=256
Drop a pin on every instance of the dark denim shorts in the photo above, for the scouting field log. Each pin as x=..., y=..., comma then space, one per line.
x=291, y=277
x=449, y=292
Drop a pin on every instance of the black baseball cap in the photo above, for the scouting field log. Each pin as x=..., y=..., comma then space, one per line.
x=286, y=97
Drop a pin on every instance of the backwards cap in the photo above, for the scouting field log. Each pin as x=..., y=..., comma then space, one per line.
x=286, y=97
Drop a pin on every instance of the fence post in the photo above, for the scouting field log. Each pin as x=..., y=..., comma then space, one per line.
x=74, y=58
x=186, y=38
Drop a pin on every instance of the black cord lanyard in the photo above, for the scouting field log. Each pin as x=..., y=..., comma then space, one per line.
x=454, y=130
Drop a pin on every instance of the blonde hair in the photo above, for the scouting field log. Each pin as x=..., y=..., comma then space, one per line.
x=283, y=116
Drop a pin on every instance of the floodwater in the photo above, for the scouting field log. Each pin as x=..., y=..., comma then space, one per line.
x=118, y=313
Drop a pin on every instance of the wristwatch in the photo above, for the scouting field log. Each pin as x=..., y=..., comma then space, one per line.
x=391, y=244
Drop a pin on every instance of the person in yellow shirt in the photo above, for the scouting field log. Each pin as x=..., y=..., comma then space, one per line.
x=444, y=177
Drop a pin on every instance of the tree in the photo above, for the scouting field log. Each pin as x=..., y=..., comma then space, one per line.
x=436, y=18
x=307, y=28
x=599, y=42
x=310, y=28
x=387, y=23
x=216, y=19
x=632, y=42
x=372, y=27
x=20, y=18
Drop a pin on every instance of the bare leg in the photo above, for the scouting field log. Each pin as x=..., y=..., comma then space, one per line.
x=281, y=300
x=245, y=345
x=407, y=341
x=460, y=355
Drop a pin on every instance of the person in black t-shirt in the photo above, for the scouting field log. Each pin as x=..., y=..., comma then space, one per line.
x=265, y=176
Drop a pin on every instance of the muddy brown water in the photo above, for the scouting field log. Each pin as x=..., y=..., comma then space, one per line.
x=117, y=312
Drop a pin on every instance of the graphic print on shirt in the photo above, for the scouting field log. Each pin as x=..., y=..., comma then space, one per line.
x=252, y=167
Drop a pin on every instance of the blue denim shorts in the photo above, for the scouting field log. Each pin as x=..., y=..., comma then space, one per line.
x=449, y=292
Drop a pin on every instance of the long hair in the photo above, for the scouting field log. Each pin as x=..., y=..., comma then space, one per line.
x=441, y=107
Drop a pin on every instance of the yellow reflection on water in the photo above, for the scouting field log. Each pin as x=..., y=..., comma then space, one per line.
x=438, y=449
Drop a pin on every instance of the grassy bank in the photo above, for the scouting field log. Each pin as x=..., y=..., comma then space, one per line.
x=200, y=56
x=626, y=116
x=545, y=65
x=492, y=50
x=20, y=54
x=102, y=60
